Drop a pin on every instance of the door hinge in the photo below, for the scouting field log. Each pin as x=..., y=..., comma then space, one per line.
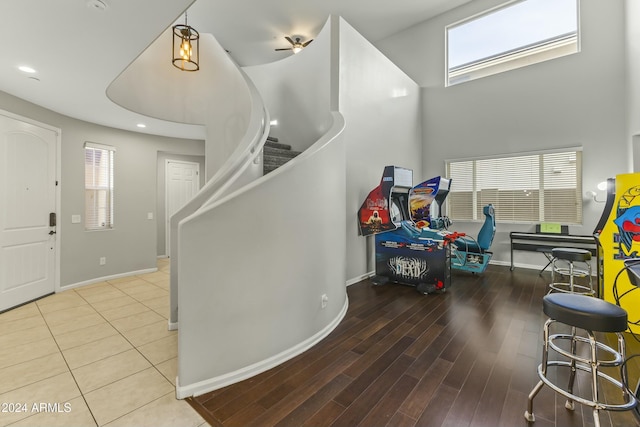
x=56, y=183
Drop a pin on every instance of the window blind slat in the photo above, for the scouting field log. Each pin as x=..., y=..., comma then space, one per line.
x=98, y=187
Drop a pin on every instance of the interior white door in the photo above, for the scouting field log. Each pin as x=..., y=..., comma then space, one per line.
x=182, y=183
x=27, y=198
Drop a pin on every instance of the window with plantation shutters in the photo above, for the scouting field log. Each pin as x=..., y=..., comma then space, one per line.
x=98, y=184
x=523, y=188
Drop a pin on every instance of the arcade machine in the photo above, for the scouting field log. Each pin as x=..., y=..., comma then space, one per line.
x=403, y=254
x=617, y=236
x=467, y=253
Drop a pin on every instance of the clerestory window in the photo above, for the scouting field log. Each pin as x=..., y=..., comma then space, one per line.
x=511, y=36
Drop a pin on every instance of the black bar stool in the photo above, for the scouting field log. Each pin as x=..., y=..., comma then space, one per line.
x=589, y=314
x=573, y=263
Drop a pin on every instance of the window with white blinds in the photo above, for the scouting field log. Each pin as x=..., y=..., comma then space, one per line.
x=525, y=188
x=98, y=184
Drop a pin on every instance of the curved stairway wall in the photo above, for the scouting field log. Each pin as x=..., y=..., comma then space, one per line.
x=255, y=264
x=235, y=128
x=262, y=264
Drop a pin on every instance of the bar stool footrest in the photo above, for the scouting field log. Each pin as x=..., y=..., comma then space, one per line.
x=577, y=271
x=566, y=288
x=630, y=404
x=615, y=361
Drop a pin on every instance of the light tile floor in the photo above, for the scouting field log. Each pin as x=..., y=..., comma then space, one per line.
x=100, y=355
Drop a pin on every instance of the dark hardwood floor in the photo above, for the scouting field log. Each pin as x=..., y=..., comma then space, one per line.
x=467, y=357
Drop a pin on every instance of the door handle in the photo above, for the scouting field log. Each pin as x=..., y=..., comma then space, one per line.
x=51, y=233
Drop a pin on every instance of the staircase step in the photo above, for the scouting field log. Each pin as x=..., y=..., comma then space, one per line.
x=268, y=168
x=276, y=144
x=279, y=152
x=276, y=154
x=275, y=161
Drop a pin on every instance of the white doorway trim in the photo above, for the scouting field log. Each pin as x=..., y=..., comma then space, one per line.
x=58, y=187
x=167, y=187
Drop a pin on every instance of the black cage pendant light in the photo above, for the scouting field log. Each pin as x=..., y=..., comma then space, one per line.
x=186, y=47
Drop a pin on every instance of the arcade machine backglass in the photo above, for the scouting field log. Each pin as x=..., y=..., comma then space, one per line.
x=467, y=254
x=426, y=200
x=618, y=239
x=403, y=255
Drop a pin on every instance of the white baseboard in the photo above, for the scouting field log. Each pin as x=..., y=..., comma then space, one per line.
x=105, y=278
x=492, y=262
x=360, y=278
x=508, y=264
x=538, y=267
x=516, y=265
x=211, y=384
x=162, y=256
x=173, y=326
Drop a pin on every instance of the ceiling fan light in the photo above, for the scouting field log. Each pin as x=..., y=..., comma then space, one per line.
x=296, y=46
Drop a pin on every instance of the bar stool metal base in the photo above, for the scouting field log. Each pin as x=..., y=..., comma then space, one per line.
x=590, y=365
x=573, y=263
x=571, y=289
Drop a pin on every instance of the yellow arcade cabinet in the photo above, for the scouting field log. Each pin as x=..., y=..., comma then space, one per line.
x=618, y=239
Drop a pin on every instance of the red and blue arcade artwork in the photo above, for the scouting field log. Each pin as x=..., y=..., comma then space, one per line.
x=403, y=253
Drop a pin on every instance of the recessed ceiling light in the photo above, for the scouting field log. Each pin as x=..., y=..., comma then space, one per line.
x=26, y=69
x=141, y=125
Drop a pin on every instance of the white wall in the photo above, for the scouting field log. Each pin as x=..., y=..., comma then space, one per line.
x=253, y=268
x=238, y=167
x=381, y=106
x=131, y=245
x=254, y=263
x=217, y=97
x=148, y=86
x=636, y=153
x=577, y=100
x=632, y=27
x=296, y=92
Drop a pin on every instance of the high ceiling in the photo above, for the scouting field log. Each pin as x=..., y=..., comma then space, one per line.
x=78, y=48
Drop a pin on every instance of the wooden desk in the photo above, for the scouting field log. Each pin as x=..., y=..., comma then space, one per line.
x=544, y=243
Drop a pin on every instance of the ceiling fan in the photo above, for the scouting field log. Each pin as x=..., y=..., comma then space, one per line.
x=296, y=46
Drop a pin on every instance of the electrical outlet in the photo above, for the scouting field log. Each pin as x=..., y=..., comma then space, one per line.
x=325, y=300
x=103, y=260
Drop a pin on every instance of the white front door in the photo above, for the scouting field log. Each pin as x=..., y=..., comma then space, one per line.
x=27, y=200
x=182, y=183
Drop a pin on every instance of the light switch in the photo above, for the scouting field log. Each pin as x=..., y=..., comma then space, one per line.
x=76, y=219
x=149, y=215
